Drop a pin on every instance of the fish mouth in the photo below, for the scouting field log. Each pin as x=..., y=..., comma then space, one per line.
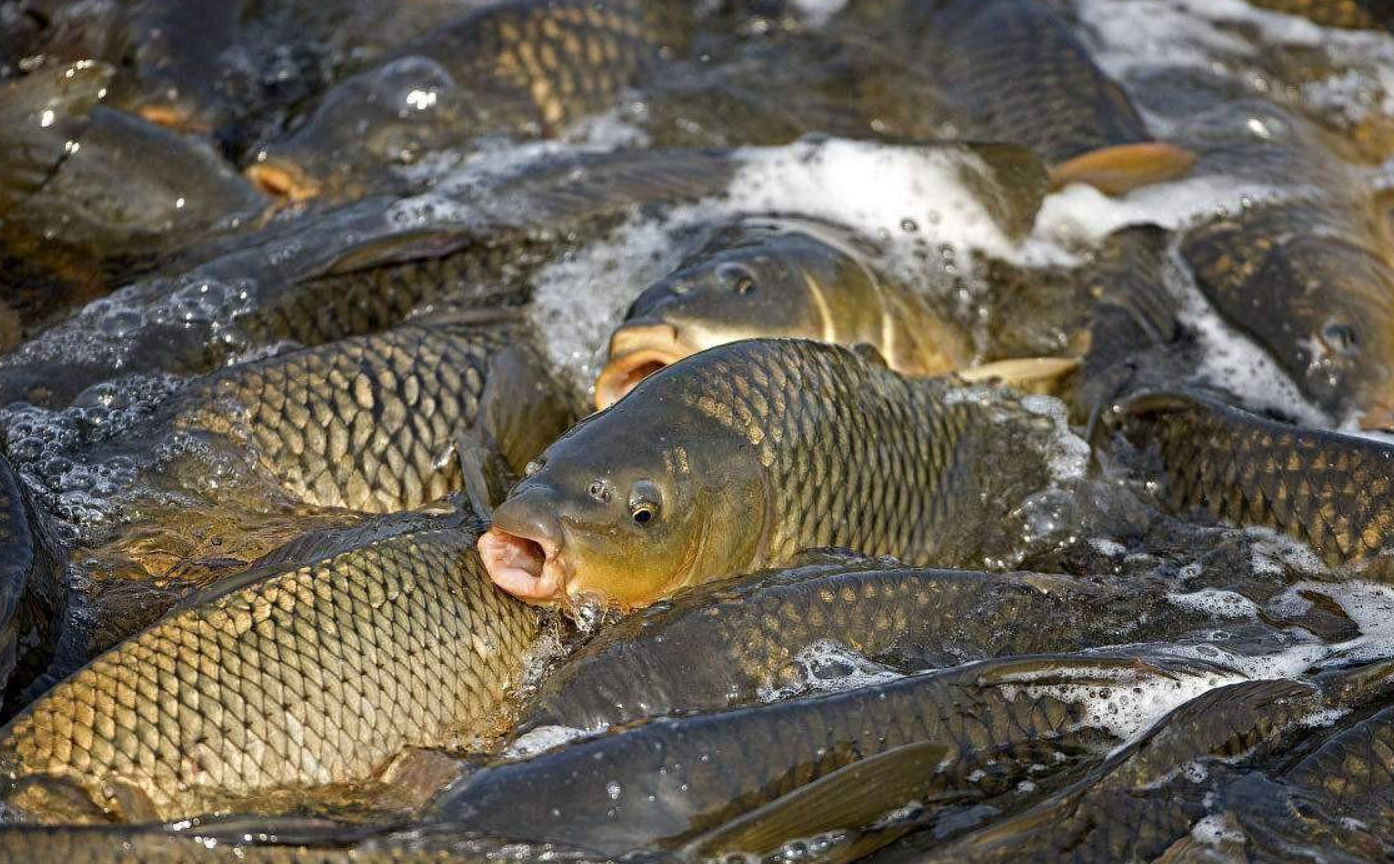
x=528, y=568
x=282, y=179
x=636, y=352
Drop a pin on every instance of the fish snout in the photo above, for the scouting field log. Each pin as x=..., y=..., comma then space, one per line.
x=637, y=350
x=521, y=551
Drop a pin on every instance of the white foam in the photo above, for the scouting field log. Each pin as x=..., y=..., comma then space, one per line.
x=541, y=739
x=1216, y=603
x=1216, y=829
x=1069, y=455
x=827, y=667
x=817, y=13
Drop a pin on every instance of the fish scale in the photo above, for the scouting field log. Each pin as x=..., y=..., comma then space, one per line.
x=363, y=423
x=291, y=676
x=1334, y=492
x=677, y=777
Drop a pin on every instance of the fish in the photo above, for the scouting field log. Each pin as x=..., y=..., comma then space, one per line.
x=33, y=588
x=1329, y=490
x=765, y=277
x=741, y=456
x=315, y=667
x=665, y=783
x=370, y=423
x=92, y=196
x=355, y=269
x=248, y=840
x=1315, y=264
x=524, y=67
x=1148, y=795
x=1333, y=800
x=1013, y=70
x=728, y=643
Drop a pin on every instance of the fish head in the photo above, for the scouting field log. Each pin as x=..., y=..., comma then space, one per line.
x=390, y=115
x=631, y=505
x=771, y=282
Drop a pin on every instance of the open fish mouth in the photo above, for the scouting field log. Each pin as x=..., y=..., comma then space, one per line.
x=282, y=179
x=636, y=352
x=529, y=569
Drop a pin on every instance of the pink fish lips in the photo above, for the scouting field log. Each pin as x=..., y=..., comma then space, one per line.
x=530, y=570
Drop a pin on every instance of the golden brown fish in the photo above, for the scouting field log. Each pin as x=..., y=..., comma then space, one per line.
x=516, y=67
x=1332, y=491
x=741, y=456
x=317, y=667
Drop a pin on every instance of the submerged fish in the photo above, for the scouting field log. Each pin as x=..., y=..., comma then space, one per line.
x=667, y=782
x=356, y=269
x=741, y=456
x=1332, y=491
x=91, y=195
x=1308, y=276
x=316, y=667
x=374, y=422
x=728, y=643
x=33, y=590
x=1012, y=70
x=522, y=66
x=1147, y=796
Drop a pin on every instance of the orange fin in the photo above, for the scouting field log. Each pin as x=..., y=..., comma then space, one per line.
x=1122, y=168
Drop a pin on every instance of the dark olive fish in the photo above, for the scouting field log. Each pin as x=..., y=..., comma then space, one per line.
x=523, y=66
x=1307, y=276
x=33, y=589
x=1148, y=796
x=317, y=667
x=176, y=52
x=90, y=195
x=374, y=423
x=355, y=270
x=666, y=782
x=1012, y=70
x=741, y=456
x=1333, y=492
x=724, y=644
x=262, y=841
x=1335, y=801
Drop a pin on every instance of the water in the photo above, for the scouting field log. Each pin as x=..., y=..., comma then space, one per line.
x=142, y=501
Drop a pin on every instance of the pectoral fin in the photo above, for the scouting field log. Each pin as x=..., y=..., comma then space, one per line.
x=850, y=797
x=1120, y=169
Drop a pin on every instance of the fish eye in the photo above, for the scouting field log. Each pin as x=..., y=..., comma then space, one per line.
x=599, y=490
x=644, y=502
x=739, y=278
x=1339, y=337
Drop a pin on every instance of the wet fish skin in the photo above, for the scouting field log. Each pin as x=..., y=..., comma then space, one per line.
x=518, y=67
x=1315, y=266
x=1140, y=801
x=1336, y=799
x=372, y=423
x=743, y=455
x=723, y=644
x=353, y=270
x=678, y=777
x=278, y=841
x=33, y=588
x=1333, y=492
x=786, y=277
x=314, y=668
